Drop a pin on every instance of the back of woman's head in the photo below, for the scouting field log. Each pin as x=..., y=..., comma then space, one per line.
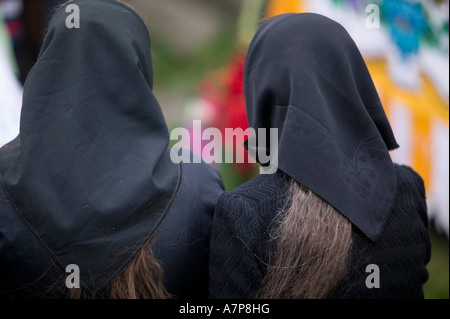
x=90, y=173
x=305, y=76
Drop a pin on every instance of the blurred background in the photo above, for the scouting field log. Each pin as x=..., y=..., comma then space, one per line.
x=198, y=50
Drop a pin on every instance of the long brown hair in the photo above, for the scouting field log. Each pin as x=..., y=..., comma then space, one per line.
x=142, y=278
x=312, y=243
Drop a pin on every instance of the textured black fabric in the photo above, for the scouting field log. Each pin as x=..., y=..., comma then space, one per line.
x=401, y=253
x=305, y=76
x=240, y=236
x=181, y=245
x=90, y=171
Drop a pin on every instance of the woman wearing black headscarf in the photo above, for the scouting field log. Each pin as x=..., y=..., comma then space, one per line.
x=338, y=219
x=89, y=184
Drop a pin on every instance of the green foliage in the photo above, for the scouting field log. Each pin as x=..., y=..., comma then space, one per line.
x=184, y=71
x=438, y=268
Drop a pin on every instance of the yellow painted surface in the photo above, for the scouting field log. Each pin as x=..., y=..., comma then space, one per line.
x=426, y=107
x=277, y=7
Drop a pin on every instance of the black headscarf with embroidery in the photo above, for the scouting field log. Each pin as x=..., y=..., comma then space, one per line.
x=305, y=76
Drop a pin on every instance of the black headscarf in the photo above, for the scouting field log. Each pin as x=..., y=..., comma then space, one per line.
x=90, y=173
x=305, y=76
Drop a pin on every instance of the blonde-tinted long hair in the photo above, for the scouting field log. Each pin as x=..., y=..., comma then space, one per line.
x=313, y=242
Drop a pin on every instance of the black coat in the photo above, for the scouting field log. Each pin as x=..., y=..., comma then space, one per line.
x=240, y=249
x=27, y=271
